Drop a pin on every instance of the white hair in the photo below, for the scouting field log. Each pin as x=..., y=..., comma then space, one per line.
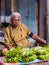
x=15, y=14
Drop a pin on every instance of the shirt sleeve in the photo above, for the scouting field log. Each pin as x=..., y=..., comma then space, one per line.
x=26, y=29
x=31, y=34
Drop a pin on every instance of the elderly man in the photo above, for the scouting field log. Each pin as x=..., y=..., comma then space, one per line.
x=16, y=33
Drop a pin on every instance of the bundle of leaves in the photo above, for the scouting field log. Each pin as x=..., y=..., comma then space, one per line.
x=27, y=54
x=13, y=55
x=43, y=53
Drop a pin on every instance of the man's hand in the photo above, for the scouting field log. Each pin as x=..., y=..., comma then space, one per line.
x=38, y=39
x=9, y=46
x=43, y=41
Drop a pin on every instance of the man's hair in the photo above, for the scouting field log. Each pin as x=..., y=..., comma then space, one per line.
x=15, y=14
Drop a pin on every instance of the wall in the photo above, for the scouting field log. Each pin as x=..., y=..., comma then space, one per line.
x=47, y=21
x=42, y=15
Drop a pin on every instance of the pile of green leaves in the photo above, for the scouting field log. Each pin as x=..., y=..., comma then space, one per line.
x=20, y=55
x=43, y=53
x=13, y=55
x=27, y=54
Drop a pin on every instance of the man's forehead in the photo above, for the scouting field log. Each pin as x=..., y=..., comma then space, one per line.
x=16, y=17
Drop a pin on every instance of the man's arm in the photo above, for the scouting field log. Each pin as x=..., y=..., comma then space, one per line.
x=37, y=38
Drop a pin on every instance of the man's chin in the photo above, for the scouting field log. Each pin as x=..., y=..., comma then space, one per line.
x=15, y=25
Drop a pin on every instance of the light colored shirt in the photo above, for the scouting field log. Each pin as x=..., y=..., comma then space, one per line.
x=17, y=36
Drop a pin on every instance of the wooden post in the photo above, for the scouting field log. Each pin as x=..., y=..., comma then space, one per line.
x=13, y=5
x=47, y=21
x=42, y=15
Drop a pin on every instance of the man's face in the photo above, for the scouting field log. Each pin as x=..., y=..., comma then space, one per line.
x=15, y=20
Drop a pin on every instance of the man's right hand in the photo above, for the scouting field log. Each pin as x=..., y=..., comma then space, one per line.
x=9, y=46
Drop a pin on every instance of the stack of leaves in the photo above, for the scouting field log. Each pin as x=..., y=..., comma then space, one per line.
x=43, y=53
x=27, y=54
x=13, y=55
